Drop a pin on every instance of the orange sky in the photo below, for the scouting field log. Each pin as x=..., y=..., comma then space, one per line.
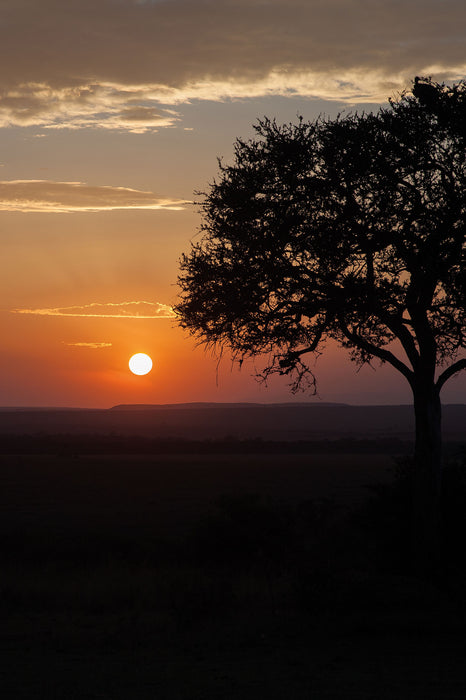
x=112, y=113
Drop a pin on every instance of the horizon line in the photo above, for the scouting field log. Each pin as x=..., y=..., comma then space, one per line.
x=201, y=404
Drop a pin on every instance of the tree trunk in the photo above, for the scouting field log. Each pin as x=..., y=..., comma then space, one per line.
x=426, y=527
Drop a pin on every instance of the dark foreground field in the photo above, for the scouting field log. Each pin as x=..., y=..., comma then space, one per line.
x=221, y=576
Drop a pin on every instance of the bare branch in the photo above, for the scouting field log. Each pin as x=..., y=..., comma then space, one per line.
x=406, y=339
x=450, y=372
x=381, y=353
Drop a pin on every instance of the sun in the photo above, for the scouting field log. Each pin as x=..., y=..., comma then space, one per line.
x=140, y=363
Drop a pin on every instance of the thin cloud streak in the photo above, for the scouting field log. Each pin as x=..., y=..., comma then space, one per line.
x=121, y=64
x=63, y=197
x=125, y=309
x=91, y=346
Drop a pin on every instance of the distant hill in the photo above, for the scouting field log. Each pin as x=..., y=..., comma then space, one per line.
x=211, y=421
x=213, y=404
x=32, y=409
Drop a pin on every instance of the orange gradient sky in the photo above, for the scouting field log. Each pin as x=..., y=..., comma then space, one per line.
x=112, y=114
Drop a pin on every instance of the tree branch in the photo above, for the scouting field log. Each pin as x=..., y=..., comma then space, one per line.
x=405, y=338
x=381, y=353
x=449, y=372
x=289, y=361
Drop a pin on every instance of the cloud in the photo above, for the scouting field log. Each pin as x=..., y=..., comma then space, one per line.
x=62, y=197
x=121, y=64
x=97, y=105
x=124, y=309
x=92, y=346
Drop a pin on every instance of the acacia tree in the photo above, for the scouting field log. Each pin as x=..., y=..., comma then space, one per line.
x=351, y=229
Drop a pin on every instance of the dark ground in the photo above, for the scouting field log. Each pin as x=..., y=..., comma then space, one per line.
x=219, y=575
x=289, y=422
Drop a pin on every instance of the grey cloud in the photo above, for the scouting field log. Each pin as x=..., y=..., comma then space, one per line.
x=61, y=197
x=111, y=62
x=140, y=114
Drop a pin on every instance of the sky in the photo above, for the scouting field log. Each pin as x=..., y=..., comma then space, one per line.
x=112, y=116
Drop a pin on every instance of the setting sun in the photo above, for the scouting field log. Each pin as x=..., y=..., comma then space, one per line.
x=140, y=363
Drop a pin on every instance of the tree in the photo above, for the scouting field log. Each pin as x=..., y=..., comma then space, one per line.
x=351, y=229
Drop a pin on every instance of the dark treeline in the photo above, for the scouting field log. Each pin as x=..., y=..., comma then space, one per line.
x=122, y=444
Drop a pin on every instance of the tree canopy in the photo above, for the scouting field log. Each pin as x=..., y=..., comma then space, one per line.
x=351, y=229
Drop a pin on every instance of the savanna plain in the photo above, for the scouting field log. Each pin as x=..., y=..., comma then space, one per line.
x=223, y=569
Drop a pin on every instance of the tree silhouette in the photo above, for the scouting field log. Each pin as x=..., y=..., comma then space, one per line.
x=351, y=229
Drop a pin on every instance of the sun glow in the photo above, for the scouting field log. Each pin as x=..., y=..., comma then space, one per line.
x=140, y=363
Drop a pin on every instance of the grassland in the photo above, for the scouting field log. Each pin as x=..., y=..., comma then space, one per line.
x=219, y=575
